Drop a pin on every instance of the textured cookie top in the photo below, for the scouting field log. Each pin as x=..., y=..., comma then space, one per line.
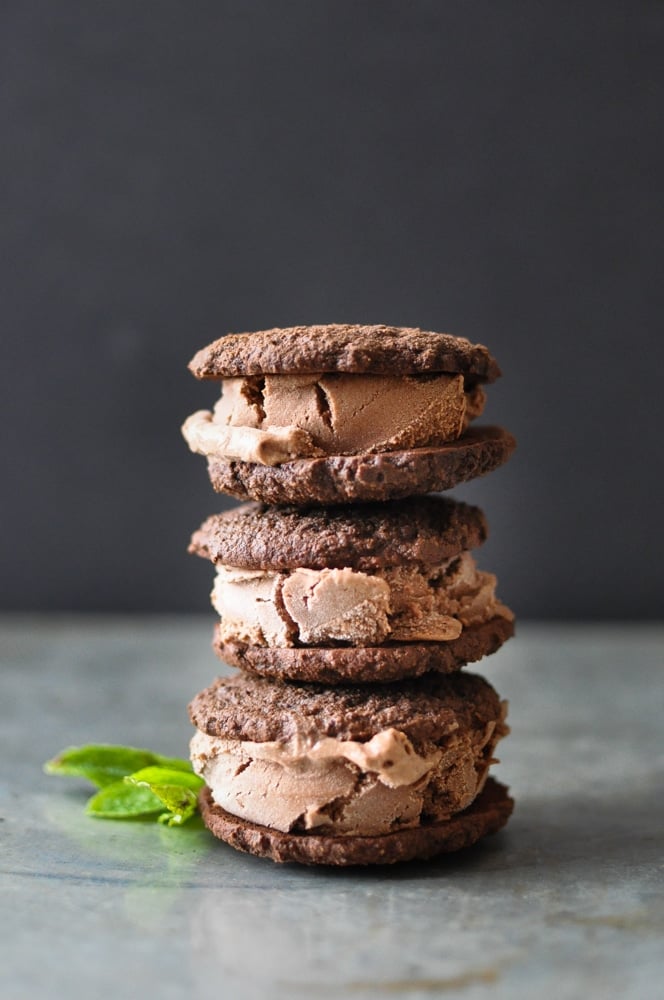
x=368, y=537
x=429, y=708
x=340, y=347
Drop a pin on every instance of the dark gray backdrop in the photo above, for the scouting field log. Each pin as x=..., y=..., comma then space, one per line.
x=174, y=171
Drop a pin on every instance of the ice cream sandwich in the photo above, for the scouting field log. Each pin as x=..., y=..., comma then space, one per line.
x=349, y=775
x=352, y=593
x=341, y=413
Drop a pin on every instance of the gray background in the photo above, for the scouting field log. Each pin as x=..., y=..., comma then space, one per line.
x=174, y=171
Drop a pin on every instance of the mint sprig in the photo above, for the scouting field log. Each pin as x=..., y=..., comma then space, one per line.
x=134, y=783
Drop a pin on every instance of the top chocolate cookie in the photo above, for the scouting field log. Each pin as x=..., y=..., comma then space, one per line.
x=336, y=414
x=344, y=347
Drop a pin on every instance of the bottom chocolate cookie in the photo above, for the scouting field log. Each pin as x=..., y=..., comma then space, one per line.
x=487, y=814
x=366, y=664
x=379, y=476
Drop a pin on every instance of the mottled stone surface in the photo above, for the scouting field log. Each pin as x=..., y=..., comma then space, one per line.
x=568, y=901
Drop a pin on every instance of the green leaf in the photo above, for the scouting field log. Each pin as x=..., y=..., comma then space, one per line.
x=133, y=782
x=122, y=801
x=177, y=790
x=103, y=764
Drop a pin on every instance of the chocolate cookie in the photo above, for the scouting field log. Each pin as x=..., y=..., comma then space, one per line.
x=256, y=709
x=488, y=814
x=337, y=414
x=346, y=776
x=361, y=593
x=343, y=347
x=357, y=478
x=422, y=531
x=368, y=664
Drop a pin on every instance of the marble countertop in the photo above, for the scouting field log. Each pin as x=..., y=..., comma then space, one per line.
x=567, y=902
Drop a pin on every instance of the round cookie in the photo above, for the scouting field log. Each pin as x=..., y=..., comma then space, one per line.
x=422, y=530
x=386, y=475
x=344, y=347
x=450, y=723
x=342, y=452
x=242, y=707
x=366, y=664
x=488, y=814
x=415, y=549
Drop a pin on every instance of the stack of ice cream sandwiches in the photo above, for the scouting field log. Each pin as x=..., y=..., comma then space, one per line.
x=348, y=596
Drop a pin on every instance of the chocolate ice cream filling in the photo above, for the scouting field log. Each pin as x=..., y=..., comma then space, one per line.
x=277, y=418
x=341, y=606
x=344, y=787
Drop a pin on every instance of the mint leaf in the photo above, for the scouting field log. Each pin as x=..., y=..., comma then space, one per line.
x=133, y=782
x=176, y=789
x=122, y=801
x=103, y=764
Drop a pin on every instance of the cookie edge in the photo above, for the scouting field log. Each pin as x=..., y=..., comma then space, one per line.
x=489, y=812
x=390, y=475
x=365, y=664
x=259, y=536
x=352, y=348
